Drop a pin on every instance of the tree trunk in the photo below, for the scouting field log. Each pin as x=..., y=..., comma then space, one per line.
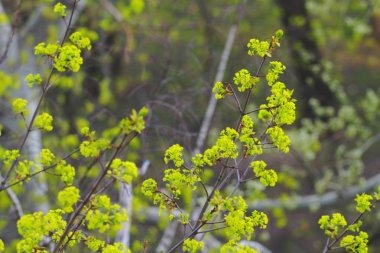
x=306, y=56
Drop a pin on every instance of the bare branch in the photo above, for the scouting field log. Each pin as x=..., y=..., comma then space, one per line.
x=8, y=30
x=16, y=202
x=327, y=199
x=125, y=200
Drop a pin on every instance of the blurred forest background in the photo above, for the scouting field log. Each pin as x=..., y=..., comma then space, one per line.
x=166, y=55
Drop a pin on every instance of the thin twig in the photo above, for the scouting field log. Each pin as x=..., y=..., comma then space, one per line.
x=6, y=186
x=16, y=202
x=212, y=229
x=235, y=97
x=13, y=30
x=259, y=109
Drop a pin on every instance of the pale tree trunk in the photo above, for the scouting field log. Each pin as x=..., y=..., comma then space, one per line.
x=125, y=201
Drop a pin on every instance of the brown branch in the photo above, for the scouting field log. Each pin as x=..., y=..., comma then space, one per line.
x=13, y=30
x=45, y=169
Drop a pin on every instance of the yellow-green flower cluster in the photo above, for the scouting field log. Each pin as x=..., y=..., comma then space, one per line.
x=233, y=246
x=332, y=225
x=19, y=106
x=178, y=180
x=46, y=157
x=275, y=69
x=225, y=147
x=60, y=9
x=117, y=247
x=66, y=172
x=80, y=41
x=23, y=169
x=32, y=227
x=239, y=224
x=282, y=104
x=9, y=156
x=104, y=216
x=184, y=218
x=46, y=49
x=244, y=80
x=135, y=122
x=363, y=202
x=279, y=138
x=220, y=91
x=267, y=177
x=92, y=146
x=68, y=197
x=211, y=155
x=174, y=154
x=260, y=48
x=192, y=245
x=355, y=244
x=198, y=161
x=252, y=145
x=226, y=144
x=44, y=121
x=33, y=79
x=149, y=187
x=94, y=244
x=68, y=58
x=126, y=171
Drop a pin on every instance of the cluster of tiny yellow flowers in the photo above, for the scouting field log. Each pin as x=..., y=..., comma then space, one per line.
x=260, y=48
x=23, y=169
x=60, y=9
x=244, y=80
x=125, y=171
x=33, y=227
x=332, y=225
x=104, y=216
x=31, y=79
x=8, y=156
x=46, y=157
x=267, y=177
x=19, y=106
x=174, y=154
x=220, y=90
x=44, y=122
x=66, y=172
x=92, y=146
x=65, y=57
x=68, y=197
x=336, y=226
x=135, y=122
x=192, y=246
